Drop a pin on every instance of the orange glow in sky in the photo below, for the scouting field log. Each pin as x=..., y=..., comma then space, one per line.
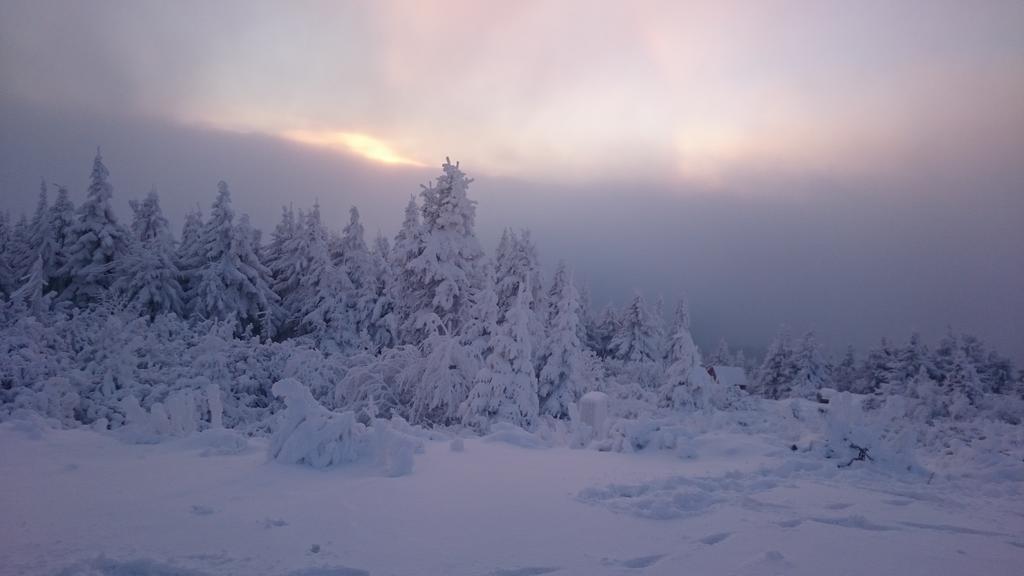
x=363, y=145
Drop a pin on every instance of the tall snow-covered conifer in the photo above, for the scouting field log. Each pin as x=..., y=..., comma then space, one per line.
x=637, y=336
x=149, y=276
x=230, y=282
x=439, y=278
x=566, y=370
x=505, y=389
x=95, y=242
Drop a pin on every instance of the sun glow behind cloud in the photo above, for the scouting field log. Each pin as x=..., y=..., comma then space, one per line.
x=363, y=145
x=659, y=91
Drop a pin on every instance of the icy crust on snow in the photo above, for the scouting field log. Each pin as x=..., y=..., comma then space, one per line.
x=311, y=435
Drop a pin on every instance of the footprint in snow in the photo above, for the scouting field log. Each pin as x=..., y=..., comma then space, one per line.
x=791, y=523
x=638, y=562
x=274, y=523
x=839, y=506
x=200, y=510
x=951, y=529
x=329, y=571
x=859, y=522
x=772, y=562
x=712, y=539
x=528, y=571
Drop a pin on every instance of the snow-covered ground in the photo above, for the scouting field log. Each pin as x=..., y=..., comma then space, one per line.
x=81, y=502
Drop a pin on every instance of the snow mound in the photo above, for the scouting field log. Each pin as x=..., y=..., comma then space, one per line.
x=516, y=436
x=217, y=442
x=140, y=567
x=312, y=435
x=678, y=496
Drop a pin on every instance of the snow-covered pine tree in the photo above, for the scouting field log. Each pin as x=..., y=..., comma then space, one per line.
x=483, y=319
x=61, y=218
x=880, y=368
x=687, y=384
x=961, y=386
x=95, y=242
x=847, y=372
x=317, y=304
x=19, y=251
x=149, y=276
x=565, y=372
x=230, y=282
x=721, y=356
x=516, y=264
x=32, y=293
x=404, y=249
x=778, y=371
x=603, y=330
x=997, y=374
x=907, y=363
x=351, y=254
x=439, y=279
x=505, y=389
x=277, y=258
x=637, y=338
x=382, y=328
x=553, y=297
x=7, y=280
x=812, y=368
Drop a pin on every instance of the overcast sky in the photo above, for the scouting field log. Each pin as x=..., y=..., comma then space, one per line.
x=856, y=167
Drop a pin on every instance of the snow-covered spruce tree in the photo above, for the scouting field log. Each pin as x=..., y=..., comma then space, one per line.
x=505, y=389
x=32, y=294
x=906, y=363
x=44, y=243
x=61, y=218
x=317, y=305
x=483, y=319
x=351, y=255
x=687, y=384
x=19, y=251
x=566, y=371
x=277, y=257
x=961, y=385
x=448, y=364
x=637, y=338
x=7, y=280
x=881, y=371
x=516, y=264
x=439, y=278
x=721, y=356
x=383, y=328
x=190, y=253
x=997, y=375
x=552, y=300
x=230, y=282
x=95, y=242
x=149, y=276
x=778, y=371
x=846, y=374
x=602, y=331
x=812, y=368
x=404, y=249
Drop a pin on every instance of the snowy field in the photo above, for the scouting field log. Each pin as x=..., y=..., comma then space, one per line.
x=81, y=502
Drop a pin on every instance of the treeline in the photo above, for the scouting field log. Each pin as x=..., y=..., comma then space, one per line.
x=423, y=325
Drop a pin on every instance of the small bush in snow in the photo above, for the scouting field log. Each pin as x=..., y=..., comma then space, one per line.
x=309, y=434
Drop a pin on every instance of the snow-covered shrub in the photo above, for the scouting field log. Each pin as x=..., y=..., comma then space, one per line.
x=177, y=416
x=854, y=435
x=309, y=434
